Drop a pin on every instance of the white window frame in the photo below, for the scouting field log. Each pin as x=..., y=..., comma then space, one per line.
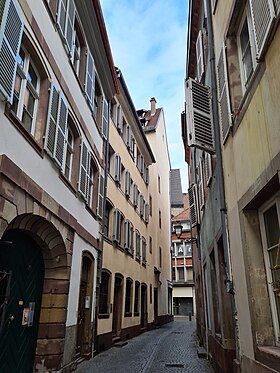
x=276, y=323
x=246, y=16
x=26, y=85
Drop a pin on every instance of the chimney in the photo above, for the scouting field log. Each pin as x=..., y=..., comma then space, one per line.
x=153, y=106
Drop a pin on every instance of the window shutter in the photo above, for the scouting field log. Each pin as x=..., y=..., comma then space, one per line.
x=199, y=56
x=135, y=195
x=62, y=17
x=69, y=34
x=224, y=97
x=137, y=245
x=100, y=195
x=277, y=6
x=116, y=231
x=119, y=119
x=127, y=183
x=61, y=131
x=208, y=168
x=131, y=239
x=141, y=205
x=199, y=116
x=117, y=168
x=105, y=117
x=201, y=198
x=262, y=16
x=144, y=250
x=147, y=213
x=10, y=38
x=193, y=205
x=141, y=164
x=84, y=171
x=147, y=175
x=128, y=137
x=52, y=121
x=90, y=80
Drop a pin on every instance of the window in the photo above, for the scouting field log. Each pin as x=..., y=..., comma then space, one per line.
x=118, y=227
x=104, y=293
x=151, y=205
x=173, y=274
x=159, y=218
x=128, y=183
x=128, y=291
x=144, y=246
x=188, y=249
x=107, y=214
x=136, y=298
x=71, y=147
x=271, y=245
x=146, y=213
x=138, y=238
x=128, y=236
x=142, y=205
x=26, y=90
x=151, y=245
x=135, y=195
x=78, y=54
x=117, y=168
x=180, y=271
x=180, y=249
x=246, y=52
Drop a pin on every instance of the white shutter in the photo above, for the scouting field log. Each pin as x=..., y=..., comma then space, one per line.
x=193, y=205
x=10, y=38
x=90, y=80
x=117, y=175
x=61, y=131
x=224, y=98
x=62, y=17
x=199, y=116
x=116, y=227
x=277, y=6
x=208, y=168
x=69, y=33
x=105, y=117
x=262, y=17
x=100, y=195
x=199, y=56
x=52, y=121
x=84, y=171
x=127, y=183
x=201, y=198
x=119, y=119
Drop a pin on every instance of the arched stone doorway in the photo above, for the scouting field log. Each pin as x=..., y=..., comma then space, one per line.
x=37, y=253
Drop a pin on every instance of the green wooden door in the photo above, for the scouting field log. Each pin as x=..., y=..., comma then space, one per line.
x=18, y=335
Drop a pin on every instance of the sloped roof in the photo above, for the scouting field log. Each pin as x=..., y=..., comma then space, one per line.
x=176, y=195
x=149, y=122
x=183, y=216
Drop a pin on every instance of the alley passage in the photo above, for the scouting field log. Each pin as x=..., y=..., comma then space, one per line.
x=171, y=348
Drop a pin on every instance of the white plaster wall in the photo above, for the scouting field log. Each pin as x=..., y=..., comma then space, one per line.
x=73, y=300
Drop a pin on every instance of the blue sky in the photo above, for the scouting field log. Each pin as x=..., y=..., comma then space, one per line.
x=148, y=42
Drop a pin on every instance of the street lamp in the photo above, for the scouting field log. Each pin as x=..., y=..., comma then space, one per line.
x=178, y=229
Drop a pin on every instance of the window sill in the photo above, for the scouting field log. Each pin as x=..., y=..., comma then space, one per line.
x=17, y=123
x=68, y=183
x=269, y=355
x=103, y=316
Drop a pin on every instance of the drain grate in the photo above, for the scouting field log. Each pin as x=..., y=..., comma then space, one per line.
x=174, y=365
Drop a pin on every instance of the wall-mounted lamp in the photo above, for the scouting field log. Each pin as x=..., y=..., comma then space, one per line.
x=178, y=229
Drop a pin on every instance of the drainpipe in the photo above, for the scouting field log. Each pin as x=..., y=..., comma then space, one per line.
x=219, y=166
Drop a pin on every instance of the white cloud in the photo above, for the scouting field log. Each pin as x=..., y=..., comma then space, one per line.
x=148, y=42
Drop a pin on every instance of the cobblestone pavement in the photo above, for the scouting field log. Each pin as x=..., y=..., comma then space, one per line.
x=171, y=348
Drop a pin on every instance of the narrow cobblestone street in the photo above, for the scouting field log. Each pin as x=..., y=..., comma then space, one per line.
x=171, y=348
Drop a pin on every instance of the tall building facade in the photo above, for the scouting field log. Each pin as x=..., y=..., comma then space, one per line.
x=232, y=142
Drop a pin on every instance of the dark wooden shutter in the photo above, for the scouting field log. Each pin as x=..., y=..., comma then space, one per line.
x=10, y=39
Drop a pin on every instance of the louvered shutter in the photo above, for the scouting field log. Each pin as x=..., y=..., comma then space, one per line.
x=117, y=168
x=52, y=121
x=193, y=205
x=199, y=56
x=119, y=119
x=128, y=137
x=69, y=33
x=61, y=132
x=224, y=98
x=142, y=205
x=277, y=6
x=262, y=17
x=10, y=38
x=144, y=246
x=116, y=227
x=105, y=117
x=84, y=171
x=135, y=195
x=62, y=17
x=127, y=183
x=131, y=239
x=90, y=80
x=147, y=175
x=208, y=168
x=200, y=186
x=199, y=116
x=137, y=245
x=100, y=195
x=147, y=213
